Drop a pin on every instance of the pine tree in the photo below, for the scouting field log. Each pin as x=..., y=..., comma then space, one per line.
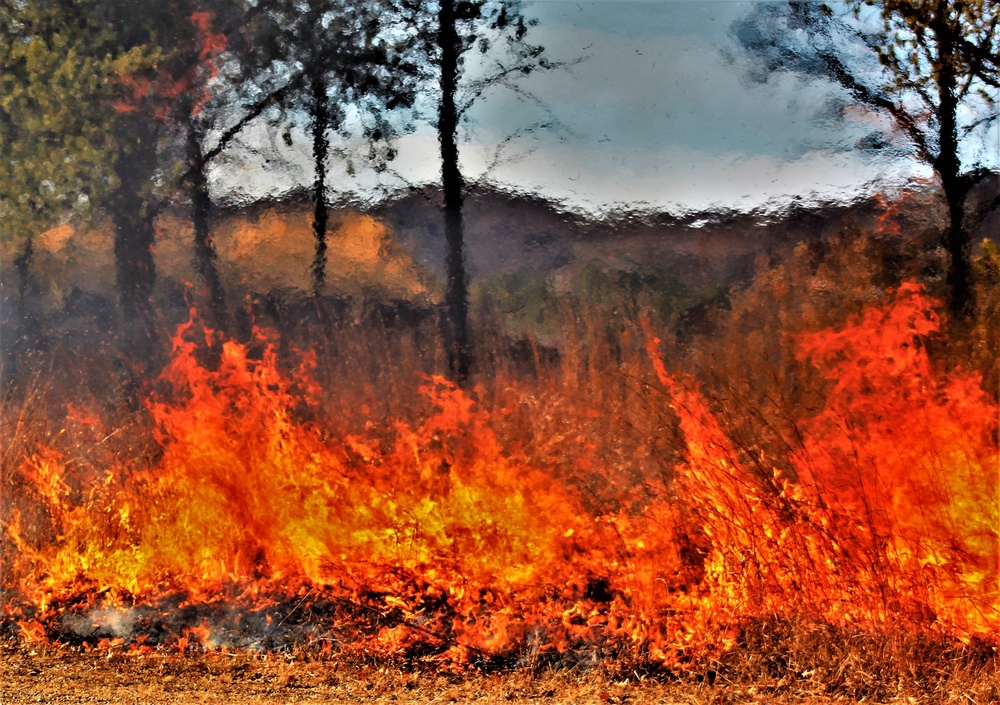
x=464, y=27
x=336, y=59
x=931, y=66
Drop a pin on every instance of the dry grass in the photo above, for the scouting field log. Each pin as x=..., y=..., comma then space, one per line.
x=759, y=676
x=597, y=388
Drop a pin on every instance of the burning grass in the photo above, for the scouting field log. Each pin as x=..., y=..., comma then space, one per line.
x=601, y=511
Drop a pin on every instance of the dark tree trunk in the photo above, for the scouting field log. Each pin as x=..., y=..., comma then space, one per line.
x=456, y=293
x=321, y=148
x=948, y=168
x=22, y=265
x=133, y=245
x=27, y=328
x=206, y=258
x=956, y=240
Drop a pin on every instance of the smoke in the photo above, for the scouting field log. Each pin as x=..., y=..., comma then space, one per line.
x=104, y=622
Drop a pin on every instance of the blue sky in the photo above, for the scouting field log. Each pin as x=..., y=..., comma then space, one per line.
x=657, y=110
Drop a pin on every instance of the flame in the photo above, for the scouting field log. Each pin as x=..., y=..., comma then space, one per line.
x=439, y=537
x=893, y=516
x=158, y=93
x=911, y=451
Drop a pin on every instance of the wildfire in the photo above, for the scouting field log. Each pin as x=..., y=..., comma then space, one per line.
x=441, y=539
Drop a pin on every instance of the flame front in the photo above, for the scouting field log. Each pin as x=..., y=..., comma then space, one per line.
x=452, y=542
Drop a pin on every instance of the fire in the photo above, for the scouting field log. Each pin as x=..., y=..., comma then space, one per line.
x=892, y=516
x=441, y=539
x=913, y=452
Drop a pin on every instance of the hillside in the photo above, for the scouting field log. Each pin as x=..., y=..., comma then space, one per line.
x=508, y=233
x=397, y=250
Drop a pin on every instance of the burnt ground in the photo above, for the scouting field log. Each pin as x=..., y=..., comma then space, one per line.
x=52, y=676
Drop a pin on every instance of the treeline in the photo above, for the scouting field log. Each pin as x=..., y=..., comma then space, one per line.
x=118, y=110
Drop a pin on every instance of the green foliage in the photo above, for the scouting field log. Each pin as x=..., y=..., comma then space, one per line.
x=656, y=291
x=987, y=265
x=55, y=143
x=984, y=333
x=77, y=79
x=527, y=304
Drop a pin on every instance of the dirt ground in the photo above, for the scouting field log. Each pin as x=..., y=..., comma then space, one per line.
x=239, y=679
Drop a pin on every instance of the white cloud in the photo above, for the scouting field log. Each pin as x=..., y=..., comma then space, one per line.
x=679, y=179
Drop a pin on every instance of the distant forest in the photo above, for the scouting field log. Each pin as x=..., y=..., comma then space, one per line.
x=113, y=113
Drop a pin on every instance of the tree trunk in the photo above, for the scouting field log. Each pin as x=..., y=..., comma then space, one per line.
x=948, y=168
x=22, y=265
x=27, y=329
x=956, y=241
x=321, y=147
x=133, y=245
x=206, y=258
x=456, y=292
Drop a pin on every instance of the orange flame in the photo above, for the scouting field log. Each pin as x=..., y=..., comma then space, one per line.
x=159, y=93
x=443, y=538
x=893, y=517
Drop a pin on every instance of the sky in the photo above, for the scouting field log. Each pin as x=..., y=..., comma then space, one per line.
x=655, y=109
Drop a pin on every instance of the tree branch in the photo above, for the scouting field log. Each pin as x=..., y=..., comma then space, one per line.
x=866, y=95
x=979, y=57
x=255, y=111
x=479, y=87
